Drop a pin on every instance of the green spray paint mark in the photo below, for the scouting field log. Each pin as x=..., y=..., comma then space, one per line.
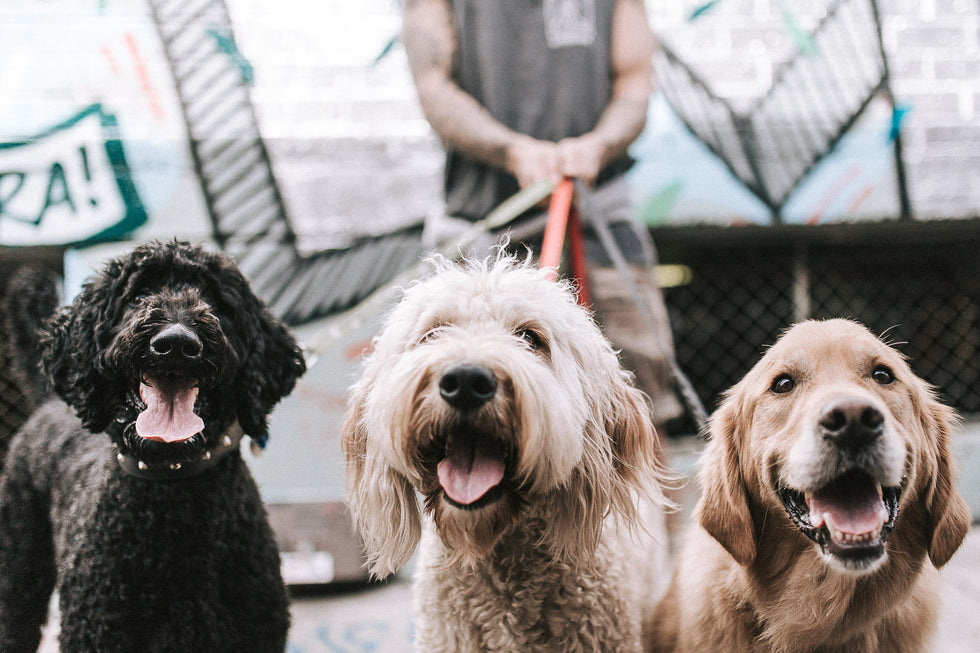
x=803, y=40
x=657, y=208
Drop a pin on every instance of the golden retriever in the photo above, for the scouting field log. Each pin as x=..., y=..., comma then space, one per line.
x=826, y=483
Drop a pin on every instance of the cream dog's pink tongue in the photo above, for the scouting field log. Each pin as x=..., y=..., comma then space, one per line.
x=469, y=471
x=169, y=414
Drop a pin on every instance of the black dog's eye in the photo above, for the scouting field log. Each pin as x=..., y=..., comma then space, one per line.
x=782, y=384
x=882, y=375
x=531, y=337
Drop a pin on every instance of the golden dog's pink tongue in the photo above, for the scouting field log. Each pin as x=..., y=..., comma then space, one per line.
x=169, y=414
x=851, y=508
x=470, y=471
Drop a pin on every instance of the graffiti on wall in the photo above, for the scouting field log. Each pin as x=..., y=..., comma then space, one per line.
x=133, y=120
x=823, y=143
x=91, y=144
x=70, y=183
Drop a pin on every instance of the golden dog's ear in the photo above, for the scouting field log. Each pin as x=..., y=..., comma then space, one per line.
x=723, y=509
x=949, y=514
x=383, y=504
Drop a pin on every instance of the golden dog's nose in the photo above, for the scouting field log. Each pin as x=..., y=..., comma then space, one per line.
x=851, y=423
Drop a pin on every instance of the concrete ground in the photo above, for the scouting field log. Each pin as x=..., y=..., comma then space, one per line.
x=379, y=619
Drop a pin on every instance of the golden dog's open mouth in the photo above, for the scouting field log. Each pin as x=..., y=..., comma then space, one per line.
x=850, y=517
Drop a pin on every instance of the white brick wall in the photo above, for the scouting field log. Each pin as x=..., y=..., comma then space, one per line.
x=350, y=147
x=933, y=51
x=353, y=152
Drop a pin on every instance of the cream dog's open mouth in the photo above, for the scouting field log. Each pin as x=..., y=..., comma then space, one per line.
x=849, y=518
x=472, y=474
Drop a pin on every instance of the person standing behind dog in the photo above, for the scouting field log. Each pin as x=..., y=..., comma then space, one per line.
x=521, y=91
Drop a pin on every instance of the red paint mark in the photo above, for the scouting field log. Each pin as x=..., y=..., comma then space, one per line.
x=323, y=398
x=113, y=64
x=834, y=192
x=359, y=349
x=144, y=76
x=865, y=193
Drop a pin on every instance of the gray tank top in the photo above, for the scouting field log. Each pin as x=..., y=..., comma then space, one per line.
x=541, y=67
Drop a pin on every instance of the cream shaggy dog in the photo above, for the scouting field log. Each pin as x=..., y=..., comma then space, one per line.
x=827, y=484
x=495, y=397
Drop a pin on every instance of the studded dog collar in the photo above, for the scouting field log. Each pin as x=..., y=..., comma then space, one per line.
x=176, y=471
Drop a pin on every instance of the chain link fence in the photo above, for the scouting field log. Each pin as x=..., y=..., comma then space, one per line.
x=921, y=297
x=921, y=293
x=13, y=407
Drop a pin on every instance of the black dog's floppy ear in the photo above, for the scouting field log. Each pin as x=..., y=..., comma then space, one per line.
x=74, y=342
x=272, y=361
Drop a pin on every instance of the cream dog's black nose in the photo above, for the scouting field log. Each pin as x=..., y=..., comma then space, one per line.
x=851, y=423
x=466, y=387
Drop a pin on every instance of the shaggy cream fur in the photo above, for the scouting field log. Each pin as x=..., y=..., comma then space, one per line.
x=494, y=396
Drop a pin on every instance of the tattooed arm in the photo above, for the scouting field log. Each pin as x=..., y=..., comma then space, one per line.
x=625, y=115
x=429, y=36
x=462, y=123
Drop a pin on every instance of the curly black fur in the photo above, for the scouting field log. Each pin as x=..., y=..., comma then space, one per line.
x=147, y=565
x=31, y=297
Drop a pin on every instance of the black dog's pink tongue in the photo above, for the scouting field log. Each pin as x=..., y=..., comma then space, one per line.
x=470, y=470
x=169, y=414
x=852, y=508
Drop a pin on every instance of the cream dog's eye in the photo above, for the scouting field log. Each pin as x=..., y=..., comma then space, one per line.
x=882, y=375
x=531, y=337
x=431, y=334
x=782, y=384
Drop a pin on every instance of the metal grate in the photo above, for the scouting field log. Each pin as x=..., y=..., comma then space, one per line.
x=248, y=215
x=814, y=100
x=922, y=298
x=928, y=305
x=13, y=408
x=212, y=80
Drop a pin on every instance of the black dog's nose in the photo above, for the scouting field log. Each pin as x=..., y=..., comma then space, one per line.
x=468, y=386
x=851, y=423
x=176, y=341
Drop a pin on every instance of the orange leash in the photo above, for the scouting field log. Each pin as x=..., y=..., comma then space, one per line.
x=576, y=249
x=563, y=217
x=554, y=230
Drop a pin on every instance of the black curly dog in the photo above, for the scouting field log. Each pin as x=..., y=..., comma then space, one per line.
x=130, y=496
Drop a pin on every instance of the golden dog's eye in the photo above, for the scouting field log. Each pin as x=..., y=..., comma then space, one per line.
x=882, y=375
x=782, y=384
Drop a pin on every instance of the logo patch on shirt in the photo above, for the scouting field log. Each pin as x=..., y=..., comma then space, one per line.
x=569, y=22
